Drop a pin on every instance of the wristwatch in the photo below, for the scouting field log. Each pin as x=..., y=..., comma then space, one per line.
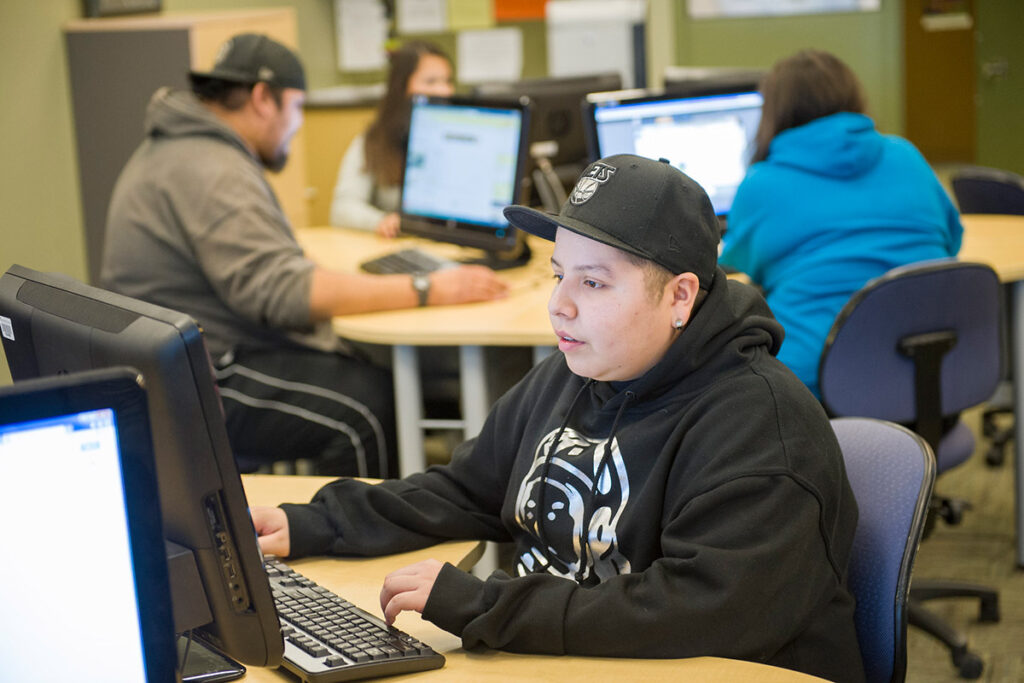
x=421, y=283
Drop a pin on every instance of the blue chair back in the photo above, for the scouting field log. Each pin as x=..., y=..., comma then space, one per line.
x=979, y=189
x=891, y=471
x=864, y=371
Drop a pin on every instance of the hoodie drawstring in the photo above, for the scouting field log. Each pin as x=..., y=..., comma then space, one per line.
x=606, y=458
x=547, y=469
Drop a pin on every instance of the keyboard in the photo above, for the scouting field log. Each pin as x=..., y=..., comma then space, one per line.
x=406, y=261
x=328, y=639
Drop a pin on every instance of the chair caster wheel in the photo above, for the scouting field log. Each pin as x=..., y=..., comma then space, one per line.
x=994, y=457
x=988, y=610
x=969, y=665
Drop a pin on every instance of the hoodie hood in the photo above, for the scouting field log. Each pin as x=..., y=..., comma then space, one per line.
x=842, y=145
x=733, y=322
x=179, y=113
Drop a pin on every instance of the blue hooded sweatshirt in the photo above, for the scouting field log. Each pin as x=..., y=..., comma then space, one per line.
x=834, y=205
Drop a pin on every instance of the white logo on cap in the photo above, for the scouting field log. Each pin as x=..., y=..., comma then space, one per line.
x=587, y=185
x=222, y=53
x=265, y=74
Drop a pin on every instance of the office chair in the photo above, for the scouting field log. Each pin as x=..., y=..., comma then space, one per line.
x=891, y=471
x=979, y=189
x=916, y=346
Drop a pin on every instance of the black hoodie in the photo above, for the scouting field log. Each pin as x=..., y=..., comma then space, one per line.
x=709, y=497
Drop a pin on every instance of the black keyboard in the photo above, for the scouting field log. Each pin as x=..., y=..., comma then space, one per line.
x=327, y=638
x=406, y=261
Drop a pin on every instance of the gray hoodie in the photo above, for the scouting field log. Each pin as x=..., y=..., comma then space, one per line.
x=194, y=226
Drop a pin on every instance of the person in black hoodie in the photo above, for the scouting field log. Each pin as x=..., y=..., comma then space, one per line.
x=672, y=490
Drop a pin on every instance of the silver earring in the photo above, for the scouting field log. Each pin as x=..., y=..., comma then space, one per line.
x=678, y=324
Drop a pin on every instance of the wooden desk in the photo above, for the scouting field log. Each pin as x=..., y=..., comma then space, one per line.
x=359, y=580
x=519, y=320
x=999, y=242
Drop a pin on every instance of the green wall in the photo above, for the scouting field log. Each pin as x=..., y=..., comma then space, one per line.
x=1000, y=86
x=40, y=219
x=870, y=42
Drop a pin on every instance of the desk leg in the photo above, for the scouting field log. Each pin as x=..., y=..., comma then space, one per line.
x=408, y=409
x=541, y=352
x=473, y=387
x=475, y=406
x=1017, y=350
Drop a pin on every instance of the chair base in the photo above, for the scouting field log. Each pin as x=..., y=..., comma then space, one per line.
x=1001, y=403
x=968, y=664
x=998, y=438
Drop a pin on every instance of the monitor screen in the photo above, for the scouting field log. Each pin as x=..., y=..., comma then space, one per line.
x=51, y=324
x=708, y=137
x=86, y=568
x=464, y=163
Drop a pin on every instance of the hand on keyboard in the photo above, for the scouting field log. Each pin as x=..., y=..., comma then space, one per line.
x=408, y=588
x=465, y=284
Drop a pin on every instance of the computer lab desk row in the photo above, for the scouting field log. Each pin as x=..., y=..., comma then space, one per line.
x=521, y=320
x=359, y=580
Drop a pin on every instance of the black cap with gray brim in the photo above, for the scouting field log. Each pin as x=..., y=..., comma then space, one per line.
x=641, y=206
x=252, y=58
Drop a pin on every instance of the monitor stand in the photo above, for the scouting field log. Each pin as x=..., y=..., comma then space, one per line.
x=203, y=663
x=198, y=661
x=502, y=260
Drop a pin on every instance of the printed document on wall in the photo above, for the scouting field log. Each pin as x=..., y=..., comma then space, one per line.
x=421, y=16
x=362, y=29
x=708, y=9
x=491, y=55
x=594, y=37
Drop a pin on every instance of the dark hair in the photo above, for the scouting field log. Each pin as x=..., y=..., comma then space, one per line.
x=799, y=89
x=386, y=136
x=229, y=94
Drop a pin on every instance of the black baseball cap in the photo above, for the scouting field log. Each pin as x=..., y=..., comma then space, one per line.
x=251, y=58
x=645, y=207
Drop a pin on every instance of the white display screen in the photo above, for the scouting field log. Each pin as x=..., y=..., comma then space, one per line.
x=67, y=584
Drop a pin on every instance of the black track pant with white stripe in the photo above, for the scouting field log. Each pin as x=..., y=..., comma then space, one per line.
x=288, y=404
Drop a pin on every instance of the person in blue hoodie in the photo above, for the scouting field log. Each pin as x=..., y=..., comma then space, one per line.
x=829, y=203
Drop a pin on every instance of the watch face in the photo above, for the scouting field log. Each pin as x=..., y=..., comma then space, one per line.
x=421, y=283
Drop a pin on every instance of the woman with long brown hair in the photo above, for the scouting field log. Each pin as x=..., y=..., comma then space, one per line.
x=829, y=203
x=366, y=194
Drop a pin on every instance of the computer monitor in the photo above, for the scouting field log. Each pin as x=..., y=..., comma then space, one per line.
x=464, y=163
x=556, y=123
x=708, y=137
x=84, y=589
x=51, y=324
x=711, y=80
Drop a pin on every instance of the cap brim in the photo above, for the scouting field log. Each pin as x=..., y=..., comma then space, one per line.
x=222, y=75
x=545, y=225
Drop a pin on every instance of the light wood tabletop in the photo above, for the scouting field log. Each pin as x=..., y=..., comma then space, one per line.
x=997, y=241
x=520, y=319
x=359, y=580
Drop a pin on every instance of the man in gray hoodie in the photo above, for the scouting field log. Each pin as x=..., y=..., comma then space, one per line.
x=194, y=226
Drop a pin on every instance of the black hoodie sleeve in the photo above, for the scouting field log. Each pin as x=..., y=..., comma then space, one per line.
x=740, y=545
x=349, y=517
x=460, y=500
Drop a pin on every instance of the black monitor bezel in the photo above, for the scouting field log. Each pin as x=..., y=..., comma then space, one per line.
x=48, y=314
x=118, y=389
x=552, y=95
x=464, y=233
